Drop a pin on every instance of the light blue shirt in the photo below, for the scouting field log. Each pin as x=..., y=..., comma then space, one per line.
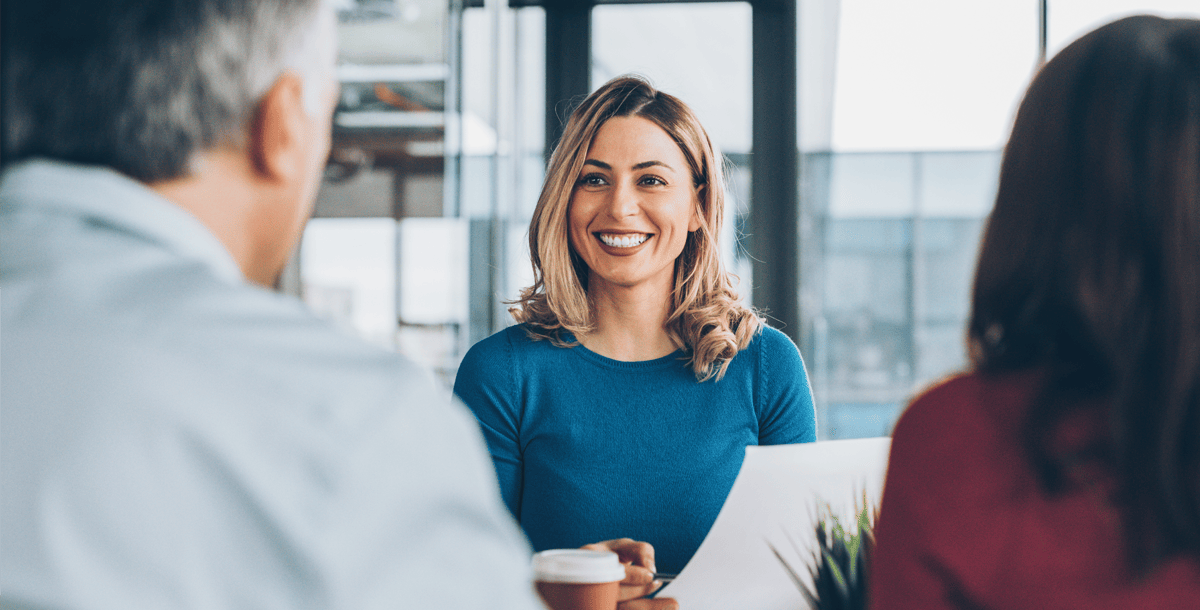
x=174, y=437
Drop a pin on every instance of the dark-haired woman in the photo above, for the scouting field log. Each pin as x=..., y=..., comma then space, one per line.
x=1063, y=470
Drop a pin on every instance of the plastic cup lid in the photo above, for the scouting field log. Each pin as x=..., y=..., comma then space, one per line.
x=577, y=566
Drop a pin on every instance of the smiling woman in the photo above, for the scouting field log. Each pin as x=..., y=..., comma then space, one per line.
x=628, y=151
x=629, y=220
x=623, y=402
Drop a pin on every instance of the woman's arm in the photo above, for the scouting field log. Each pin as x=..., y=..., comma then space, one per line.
x=786, y=412
x=486, y=383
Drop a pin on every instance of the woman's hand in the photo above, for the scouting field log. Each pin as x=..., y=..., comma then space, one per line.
x=639, y=582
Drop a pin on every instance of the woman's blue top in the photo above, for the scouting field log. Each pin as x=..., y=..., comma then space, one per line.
x=588, y=448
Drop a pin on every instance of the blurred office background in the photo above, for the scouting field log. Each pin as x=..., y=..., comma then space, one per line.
x=864, y=139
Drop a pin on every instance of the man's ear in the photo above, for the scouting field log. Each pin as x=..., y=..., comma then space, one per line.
x=278, y=131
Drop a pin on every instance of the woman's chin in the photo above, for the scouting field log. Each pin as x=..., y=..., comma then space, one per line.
x=630, y=279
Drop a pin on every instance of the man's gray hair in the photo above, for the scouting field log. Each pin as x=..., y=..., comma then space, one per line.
x=143, y=85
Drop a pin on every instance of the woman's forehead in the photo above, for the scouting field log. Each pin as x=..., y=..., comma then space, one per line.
x=623, y=142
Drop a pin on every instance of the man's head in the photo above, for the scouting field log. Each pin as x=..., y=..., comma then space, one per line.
x=142, y=85
x=212, y=102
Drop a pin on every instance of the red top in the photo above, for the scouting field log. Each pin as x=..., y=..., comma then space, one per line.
x=964, y=525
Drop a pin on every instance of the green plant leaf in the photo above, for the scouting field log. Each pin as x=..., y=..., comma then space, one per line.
x=840, y=566
x=832, y=564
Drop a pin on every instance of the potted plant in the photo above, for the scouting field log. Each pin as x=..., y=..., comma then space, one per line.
x=841, y=562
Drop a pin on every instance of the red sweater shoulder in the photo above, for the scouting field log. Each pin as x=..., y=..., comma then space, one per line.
x=964, y=523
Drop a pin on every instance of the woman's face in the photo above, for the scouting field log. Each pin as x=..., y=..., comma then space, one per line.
x=633, y=205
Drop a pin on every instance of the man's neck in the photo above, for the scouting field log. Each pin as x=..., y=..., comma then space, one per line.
x=220, y=194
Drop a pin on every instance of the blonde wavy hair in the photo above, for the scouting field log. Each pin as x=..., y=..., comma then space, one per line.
x=706, y=318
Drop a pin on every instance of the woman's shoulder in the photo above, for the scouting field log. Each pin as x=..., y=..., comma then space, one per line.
x=489, y=361
x=771, y=338
x=509, y=354
x=772, y=343
x=772, y=359
x=941, y=402
x=971, y=395
x=511, y=342
x=967, y=411
x=945, y=389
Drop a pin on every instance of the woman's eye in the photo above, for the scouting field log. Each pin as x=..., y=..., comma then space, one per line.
x=591, y=180
x=652, y=181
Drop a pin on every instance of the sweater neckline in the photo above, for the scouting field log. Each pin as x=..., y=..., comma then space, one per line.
x=674, y=358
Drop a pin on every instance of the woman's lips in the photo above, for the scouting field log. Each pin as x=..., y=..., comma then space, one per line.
x=622, y=240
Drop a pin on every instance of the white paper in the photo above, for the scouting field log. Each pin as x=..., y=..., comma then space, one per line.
x=774, y=502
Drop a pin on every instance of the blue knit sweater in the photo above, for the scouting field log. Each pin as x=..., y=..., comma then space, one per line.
x=587, y=448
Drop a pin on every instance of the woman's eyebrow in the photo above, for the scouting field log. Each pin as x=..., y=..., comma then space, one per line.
x=645, y=164
x=642, y=165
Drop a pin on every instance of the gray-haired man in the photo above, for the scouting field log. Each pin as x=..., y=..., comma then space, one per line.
x=175, y=435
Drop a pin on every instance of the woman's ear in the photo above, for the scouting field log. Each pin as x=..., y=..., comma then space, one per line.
x=696, y=220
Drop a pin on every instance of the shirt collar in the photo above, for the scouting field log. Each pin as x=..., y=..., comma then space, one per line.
x=102, y=194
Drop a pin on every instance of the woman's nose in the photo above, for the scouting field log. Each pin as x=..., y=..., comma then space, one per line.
x=624, y=201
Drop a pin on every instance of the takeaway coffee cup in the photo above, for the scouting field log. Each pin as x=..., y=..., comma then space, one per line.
x=577, y=579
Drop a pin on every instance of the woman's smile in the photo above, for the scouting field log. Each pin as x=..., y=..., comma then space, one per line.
x=633, y=206
x=623, y=241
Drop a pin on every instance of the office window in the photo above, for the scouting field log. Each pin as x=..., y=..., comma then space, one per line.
x=931, y=74
x=904, y=107
x=382, y=230
x=348, y=274
x=697, y=52
x=502, y=82
x=1070, y=19
x=924, y=94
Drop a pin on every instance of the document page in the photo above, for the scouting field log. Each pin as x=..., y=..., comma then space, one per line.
x=774, y=502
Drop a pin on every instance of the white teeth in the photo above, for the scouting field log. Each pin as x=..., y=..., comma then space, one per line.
x=623, y=241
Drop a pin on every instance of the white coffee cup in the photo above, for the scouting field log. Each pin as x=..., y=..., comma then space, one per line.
x=578, y=579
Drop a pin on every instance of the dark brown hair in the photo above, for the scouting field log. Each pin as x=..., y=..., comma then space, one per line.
x=1090, y=268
